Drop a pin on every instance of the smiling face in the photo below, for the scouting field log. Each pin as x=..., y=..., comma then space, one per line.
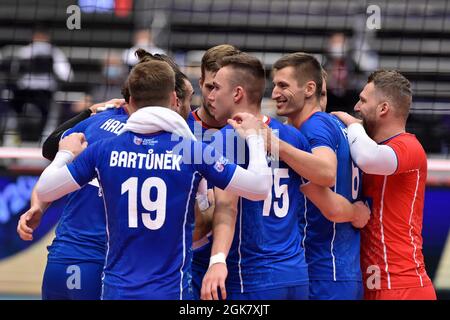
x=288, y=94
x=220, y=98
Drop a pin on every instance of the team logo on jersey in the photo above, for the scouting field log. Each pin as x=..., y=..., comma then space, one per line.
x=137, y=140
x=149, y=142
x=220, y=164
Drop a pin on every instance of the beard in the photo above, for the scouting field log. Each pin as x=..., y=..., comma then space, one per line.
x=369, y=125
x=207, y=108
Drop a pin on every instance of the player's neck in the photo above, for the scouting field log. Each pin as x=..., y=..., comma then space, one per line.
x=308, y=110
x=208, y=119
x=252, y=109
x=383, y=133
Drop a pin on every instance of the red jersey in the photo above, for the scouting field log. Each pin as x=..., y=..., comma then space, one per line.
x=392, y=240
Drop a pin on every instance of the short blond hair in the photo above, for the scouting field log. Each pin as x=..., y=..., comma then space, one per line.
x=395, y=87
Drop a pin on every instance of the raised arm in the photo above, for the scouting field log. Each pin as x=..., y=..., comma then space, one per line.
x=369, y=156
x=50, y=146
x=56, y=181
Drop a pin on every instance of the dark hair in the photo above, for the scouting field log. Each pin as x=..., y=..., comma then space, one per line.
x=212, y=57
x=248, y=73
x=307, y=68
x=180, y=77
x=150, y=83
x=395, y=87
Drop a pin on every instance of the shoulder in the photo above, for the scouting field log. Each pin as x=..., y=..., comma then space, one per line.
x=407, y=143
x=321, y=120
x=290, y=134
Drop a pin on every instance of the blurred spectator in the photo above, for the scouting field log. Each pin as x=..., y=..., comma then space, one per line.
x=142, y=39
x=345, y=74
x=37, y=69
x=114, y=74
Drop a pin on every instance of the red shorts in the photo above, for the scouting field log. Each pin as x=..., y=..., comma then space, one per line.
x=418, y=293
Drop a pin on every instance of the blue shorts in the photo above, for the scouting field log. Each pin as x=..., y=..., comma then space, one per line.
x=300, y=292
x=335, y=290
x=114, y=293
x=80, y=281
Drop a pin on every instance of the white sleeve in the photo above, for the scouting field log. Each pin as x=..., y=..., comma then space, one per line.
x=256, y=182
x=61, y=66
x=56, y=180
x=369, y=156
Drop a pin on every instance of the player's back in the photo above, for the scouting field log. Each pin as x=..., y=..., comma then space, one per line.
x=392, y=240
x=266, y=251
x=332, y=249
x=82, y=237
x=149, y=183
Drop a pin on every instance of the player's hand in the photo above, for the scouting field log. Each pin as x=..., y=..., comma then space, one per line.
x=214, y=277
x=362, y=215
x=28, y=222
x=102, y=106
x=346, y=118
x=246, y=124
x=75, y=143
x=272, y=142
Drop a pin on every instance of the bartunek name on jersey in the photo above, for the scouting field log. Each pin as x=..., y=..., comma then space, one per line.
x=147, y=161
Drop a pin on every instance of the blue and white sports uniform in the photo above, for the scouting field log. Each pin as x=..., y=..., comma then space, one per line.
x=266, y=257
x=332, y=249
x=81, y=239
x=149, y=193
x=202, y=247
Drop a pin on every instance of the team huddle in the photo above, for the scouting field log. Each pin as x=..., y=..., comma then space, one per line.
x=224, y=202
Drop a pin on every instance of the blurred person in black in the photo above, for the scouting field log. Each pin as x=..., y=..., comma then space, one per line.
x=37, y=70
x=347, y=62
x=114, y=74
x=143, y=39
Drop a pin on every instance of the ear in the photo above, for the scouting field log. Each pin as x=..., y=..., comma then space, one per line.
x=384, y=108
x=174, y=102
x=238, y=94
x=200, y=82
x=131, y=105
x=310, y=89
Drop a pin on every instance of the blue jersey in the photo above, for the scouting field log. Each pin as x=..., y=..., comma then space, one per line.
x=149, y=183
x=200, y=129
x=81, y=237
x=332, y=249
x=266, y=251
x=202, y=252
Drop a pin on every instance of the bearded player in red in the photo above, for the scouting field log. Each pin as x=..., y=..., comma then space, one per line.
x=395, y=167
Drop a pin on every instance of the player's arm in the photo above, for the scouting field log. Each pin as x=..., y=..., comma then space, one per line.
x=50, y=146
x=204, y=217
x=335, y=207
x=255, y=182
x=56, y=181
x=31, y=219
x=318, y=167
x=224, y=222
x=368, y=155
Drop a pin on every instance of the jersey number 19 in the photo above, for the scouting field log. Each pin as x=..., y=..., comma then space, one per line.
x=158, y=205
